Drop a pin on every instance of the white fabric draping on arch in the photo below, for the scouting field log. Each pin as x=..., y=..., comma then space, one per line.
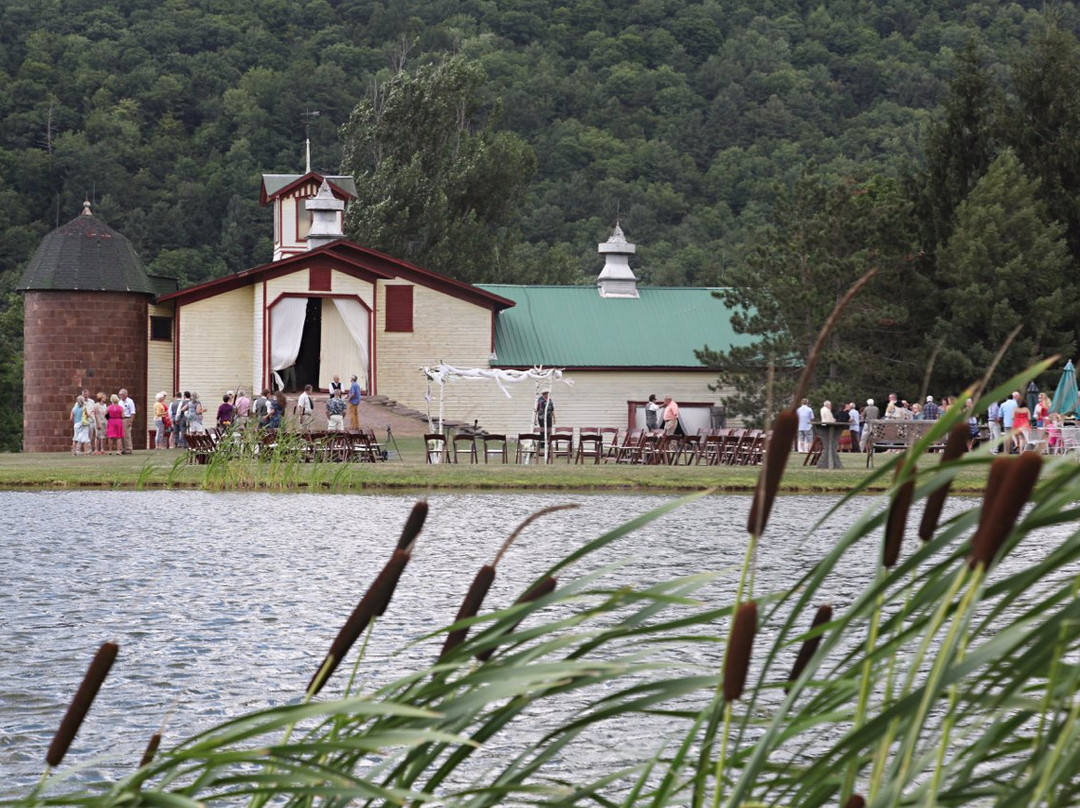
x=287, y=318
x=444, y=373
x=357, y=319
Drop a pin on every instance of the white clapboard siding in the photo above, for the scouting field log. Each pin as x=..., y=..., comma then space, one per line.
x=596, y=399
x=215, y=345
x=159, y=373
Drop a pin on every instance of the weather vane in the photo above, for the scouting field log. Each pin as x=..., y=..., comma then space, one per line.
x=308, y=116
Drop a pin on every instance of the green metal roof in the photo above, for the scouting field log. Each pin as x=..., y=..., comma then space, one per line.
x=572, y=326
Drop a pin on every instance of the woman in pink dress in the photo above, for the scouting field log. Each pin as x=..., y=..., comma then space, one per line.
x=115, y=431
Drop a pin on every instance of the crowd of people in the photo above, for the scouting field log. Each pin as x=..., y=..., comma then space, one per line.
x=1012, y=418
x=102, y=424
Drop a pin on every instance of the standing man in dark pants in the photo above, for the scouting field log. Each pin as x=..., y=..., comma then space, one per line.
x=545, y=417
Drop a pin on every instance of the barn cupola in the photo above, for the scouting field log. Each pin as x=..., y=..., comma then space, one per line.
x=616, y=279
x=293, y=219
x=327, y=213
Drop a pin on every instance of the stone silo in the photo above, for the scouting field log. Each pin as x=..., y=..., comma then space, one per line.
x=85, y=297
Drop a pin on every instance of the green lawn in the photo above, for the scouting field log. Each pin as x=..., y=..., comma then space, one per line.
x=156, y=469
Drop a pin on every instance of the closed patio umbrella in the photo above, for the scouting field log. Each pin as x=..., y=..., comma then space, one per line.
x=1065, y=396
x=1032, y=395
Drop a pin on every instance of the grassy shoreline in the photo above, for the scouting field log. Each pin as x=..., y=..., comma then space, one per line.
x=166, y=469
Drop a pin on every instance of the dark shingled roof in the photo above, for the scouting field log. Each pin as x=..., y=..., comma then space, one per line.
x=86, y=254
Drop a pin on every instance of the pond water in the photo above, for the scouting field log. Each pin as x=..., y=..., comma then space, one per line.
x=226, y=602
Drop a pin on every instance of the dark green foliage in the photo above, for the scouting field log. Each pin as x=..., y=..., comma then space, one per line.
x=1006, y=264
x=436, y=185
x=11, y=372
x=825, y=235
x=678, y=118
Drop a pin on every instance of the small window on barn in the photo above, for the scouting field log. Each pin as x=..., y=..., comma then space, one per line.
x=161, y=329
x=319, y=279
x=399, y=308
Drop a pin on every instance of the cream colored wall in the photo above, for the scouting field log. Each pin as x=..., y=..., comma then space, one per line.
x=159, y=357
x=596, y=399
x=215, y=346
x=445, y=329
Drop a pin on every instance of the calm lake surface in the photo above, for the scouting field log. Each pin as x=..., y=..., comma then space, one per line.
x=227, y=602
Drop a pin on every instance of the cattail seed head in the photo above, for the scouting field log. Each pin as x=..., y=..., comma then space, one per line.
x=776, y=457
x=897, y=521
x=413, y=525
x=372, y=604
x=386, y=584
x=469, y=607
x=151, y=749
x=544, y=587
x=855, y=801
x=1013, y=494
x=995, y=481
x=737, y=660
x=810, y=645
x=955, y=446
x=80, y=705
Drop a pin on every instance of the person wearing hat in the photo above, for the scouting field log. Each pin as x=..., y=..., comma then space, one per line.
x=930, y=410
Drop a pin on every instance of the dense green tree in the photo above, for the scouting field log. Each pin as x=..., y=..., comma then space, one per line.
x=960, y=146
x=11, y=372
x=437, y=184
x=1007, y=264
x=1044, y=126
x=823, y=237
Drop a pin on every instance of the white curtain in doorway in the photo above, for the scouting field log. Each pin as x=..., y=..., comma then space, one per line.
x=286, y=330
x=357, y=320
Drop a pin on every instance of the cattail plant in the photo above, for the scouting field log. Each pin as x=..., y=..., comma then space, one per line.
x=810, y=644
x=151, y=749
x=80, y=705
x=374, y=602
x=776, y=457
x=737, y=659
x=855, y=801
x=898, y=512
x=955, y=446
x=478, y=590
x=544, y=587
x=1012, y=494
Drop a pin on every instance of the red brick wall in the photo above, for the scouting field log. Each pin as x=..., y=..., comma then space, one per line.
x=73, y=340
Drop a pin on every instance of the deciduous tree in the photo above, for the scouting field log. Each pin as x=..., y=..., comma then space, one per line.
x=824, y=235
x=437, y=184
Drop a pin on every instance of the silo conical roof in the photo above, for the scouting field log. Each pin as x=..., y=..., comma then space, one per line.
x=87, y=255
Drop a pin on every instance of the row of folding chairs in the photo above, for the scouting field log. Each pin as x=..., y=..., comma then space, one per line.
x=727, y=447
x=360, y=446
x=529, y=447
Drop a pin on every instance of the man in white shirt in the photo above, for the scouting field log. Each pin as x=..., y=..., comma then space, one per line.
x=305, y=408
x=806, y=426
x=128, y=404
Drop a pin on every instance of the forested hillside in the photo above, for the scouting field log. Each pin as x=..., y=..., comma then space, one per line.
x=686, y=119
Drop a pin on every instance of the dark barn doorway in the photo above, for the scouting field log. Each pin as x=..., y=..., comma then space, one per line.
x=307, y=360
